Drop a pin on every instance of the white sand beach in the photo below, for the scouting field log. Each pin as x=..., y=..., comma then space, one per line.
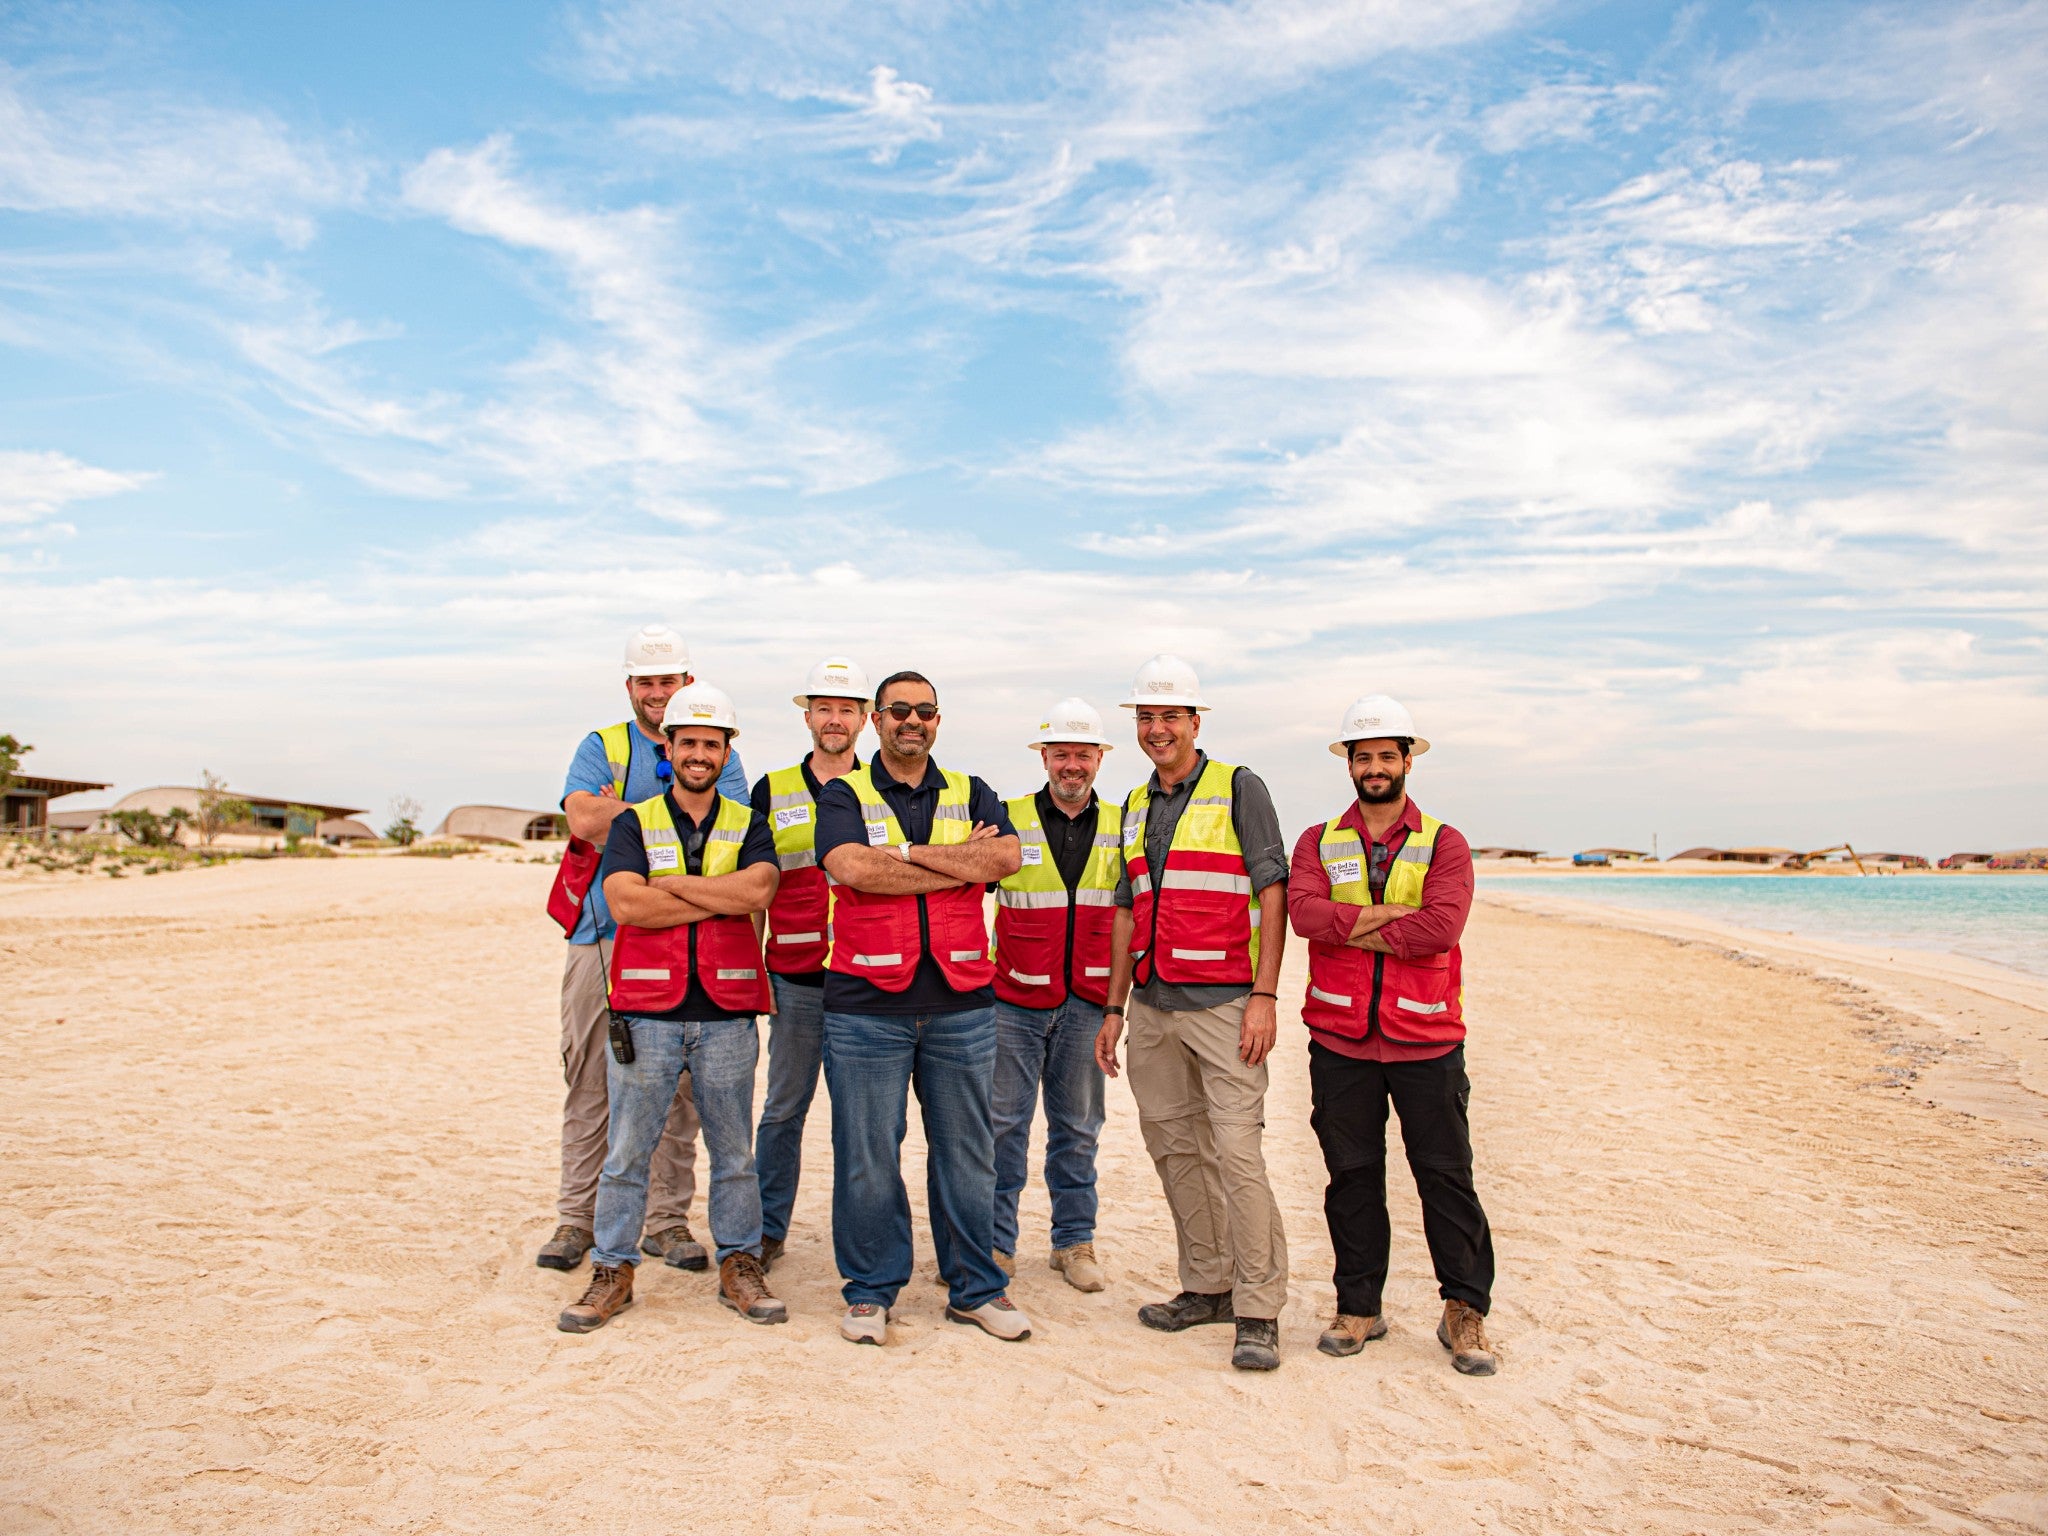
x=281, y=1142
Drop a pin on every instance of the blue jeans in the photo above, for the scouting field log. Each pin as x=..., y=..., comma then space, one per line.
x=796, y=1043
x=870, y=1060
x=719, y=1055
x=1056, y=1047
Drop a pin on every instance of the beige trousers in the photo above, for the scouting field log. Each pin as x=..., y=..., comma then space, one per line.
x=586, y=1113
x=1203, y=1114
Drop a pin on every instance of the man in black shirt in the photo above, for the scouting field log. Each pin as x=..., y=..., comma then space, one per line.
x=1054, y=919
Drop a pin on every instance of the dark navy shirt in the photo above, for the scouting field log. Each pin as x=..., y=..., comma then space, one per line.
x=840, y=822
x=626, y=849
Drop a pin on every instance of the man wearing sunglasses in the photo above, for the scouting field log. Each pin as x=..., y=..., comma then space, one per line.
x=911, y=849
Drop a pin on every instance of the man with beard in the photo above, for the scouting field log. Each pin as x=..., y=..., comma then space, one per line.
x=1054, y=918
x=614, y=769
x=686, y=871
x=835, y=706
x=1381, y=892
x=911, y=848
x=1200, y=929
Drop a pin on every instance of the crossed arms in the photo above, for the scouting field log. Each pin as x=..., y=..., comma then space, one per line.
x=918, y=869
x=670, y=901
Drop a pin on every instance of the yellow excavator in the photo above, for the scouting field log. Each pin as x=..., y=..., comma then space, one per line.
x=1801, y=860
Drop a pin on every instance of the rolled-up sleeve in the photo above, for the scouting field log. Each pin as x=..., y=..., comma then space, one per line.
x=1258, y=830
x=1439, y=922
x=1310, y=911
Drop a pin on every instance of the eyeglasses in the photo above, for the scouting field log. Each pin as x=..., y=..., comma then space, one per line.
x=902, y=711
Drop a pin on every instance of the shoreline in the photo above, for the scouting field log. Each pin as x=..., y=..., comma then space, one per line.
x=1968, y=1034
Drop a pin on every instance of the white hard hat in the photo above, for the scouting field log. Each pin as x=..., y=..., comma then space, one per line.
x=657, y=651
x=1166, y=680
x=700, y=704
x=1071, y=720
x=1372, y=717
x=835, y=678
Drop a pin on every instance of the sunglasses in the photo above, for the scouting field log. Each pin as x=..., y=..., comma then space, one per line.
x=902, y=711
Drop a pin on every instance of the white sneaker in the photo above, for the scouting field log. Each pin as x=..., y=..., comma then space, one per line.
x=1079, y=1265
x=866, y=1322
x=999, y=1317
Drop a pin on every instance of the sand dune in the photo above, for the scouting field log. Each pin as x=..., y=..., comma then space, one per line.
x=280, y=1146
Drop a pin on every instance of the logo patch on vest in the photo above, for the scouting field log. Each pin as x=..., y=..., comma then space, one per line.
x=1343, y=871
x=878, y=834
x=792, y=816
x=664, y=856
x=1033, y=854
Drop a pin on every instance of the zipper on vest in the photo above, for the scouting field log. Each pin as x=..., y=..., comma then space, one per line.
x=1379, y=961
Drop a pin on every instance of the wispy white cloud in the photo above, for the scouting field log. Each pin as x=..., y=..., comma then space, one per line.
x=35, y=486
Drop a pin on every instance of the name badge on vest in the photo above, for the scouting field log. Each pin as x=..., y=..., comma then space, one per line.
x=664, y=856
x=1133, y=832
x=1343, y=871
x=1033, y=854
x=792, y=816
x=878, y=834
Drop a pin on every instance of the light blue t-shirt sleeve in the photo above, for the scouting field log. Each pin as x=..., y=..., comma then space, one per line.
x=589, y=770
x=733, y=782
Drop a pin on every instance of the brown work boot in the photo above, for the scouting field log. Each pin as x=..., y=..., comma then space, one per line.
x=1079, y=1265
x=676, y=1247
x=566, y=1248
x=743, y=1286
x=609, y=1293
x=1463, y=1333
x=1351, y=1333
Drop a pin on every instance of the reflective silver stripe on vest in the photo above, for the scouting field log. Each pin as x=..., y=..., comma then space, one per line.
x=1094, y=970
x=803, y=858
x=633, y=974
x=1141, y=885
x=952, y=813
x=1110, y=840
x=1205, y=880
x=1198, y=954
x=1209, y=800
x=1334, y=999
x=1089, y=897
x=1029, y=981
x=879, y=813
x=970, y=954
x=727, y=835
x=1005, y=898
x=1414, y=853
x=877, y=959
x=1030, y=835
x=1414, y=1007
x=725, y=975
x=784, y=802
x=660, y=835
x=798, y=938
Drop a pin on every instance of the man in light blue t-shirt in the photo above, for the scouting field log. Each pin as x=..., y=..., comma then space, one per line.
x=614, y=769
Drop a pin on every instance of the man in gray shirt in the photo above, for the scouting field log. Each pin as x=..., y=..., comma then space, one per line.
x=1200, y=929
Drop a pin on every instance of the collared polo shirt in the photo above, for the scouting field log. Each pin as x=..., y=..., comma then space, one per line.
x=762, y=807
x=840, y=822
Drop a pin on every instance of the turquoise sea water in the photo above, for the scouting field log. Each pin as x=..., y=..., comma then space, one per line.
x=2001, y=918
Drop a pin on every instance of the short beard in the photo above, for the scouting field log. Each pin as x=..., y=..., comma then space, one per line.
x=1059, y=793
x=1394, y=791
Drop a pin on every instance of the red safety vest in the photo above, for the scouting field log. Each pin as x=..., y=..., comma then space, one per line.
x=580, y=859
x=1197, y=923
x=1414, y=1002
x=800, y=921
x=875, y=937
x=1034, y=916
x=651, y=967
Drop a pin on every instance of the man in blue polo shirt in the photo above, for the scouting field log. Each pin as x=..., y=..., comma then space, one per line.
x=599, y=788
x=912, y=848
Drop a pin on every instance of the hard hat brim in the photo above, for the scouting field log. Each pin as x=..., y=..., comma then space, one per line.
x=1137, y=703
x=1072, y=741
x=665, y=670
x=1343, y=748
x=803, y=700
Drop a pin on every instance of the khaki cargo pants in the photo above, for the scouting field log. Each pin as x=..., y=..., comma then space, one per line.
x=1203, y=1115
x=586, y=1117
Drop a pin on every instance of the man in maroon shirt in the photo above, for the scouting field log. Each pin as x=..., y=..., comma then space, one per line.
x=1382, y=893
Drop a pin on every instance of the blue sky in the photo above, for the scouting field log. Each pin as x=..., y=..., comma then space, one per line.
x=1651, y=396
